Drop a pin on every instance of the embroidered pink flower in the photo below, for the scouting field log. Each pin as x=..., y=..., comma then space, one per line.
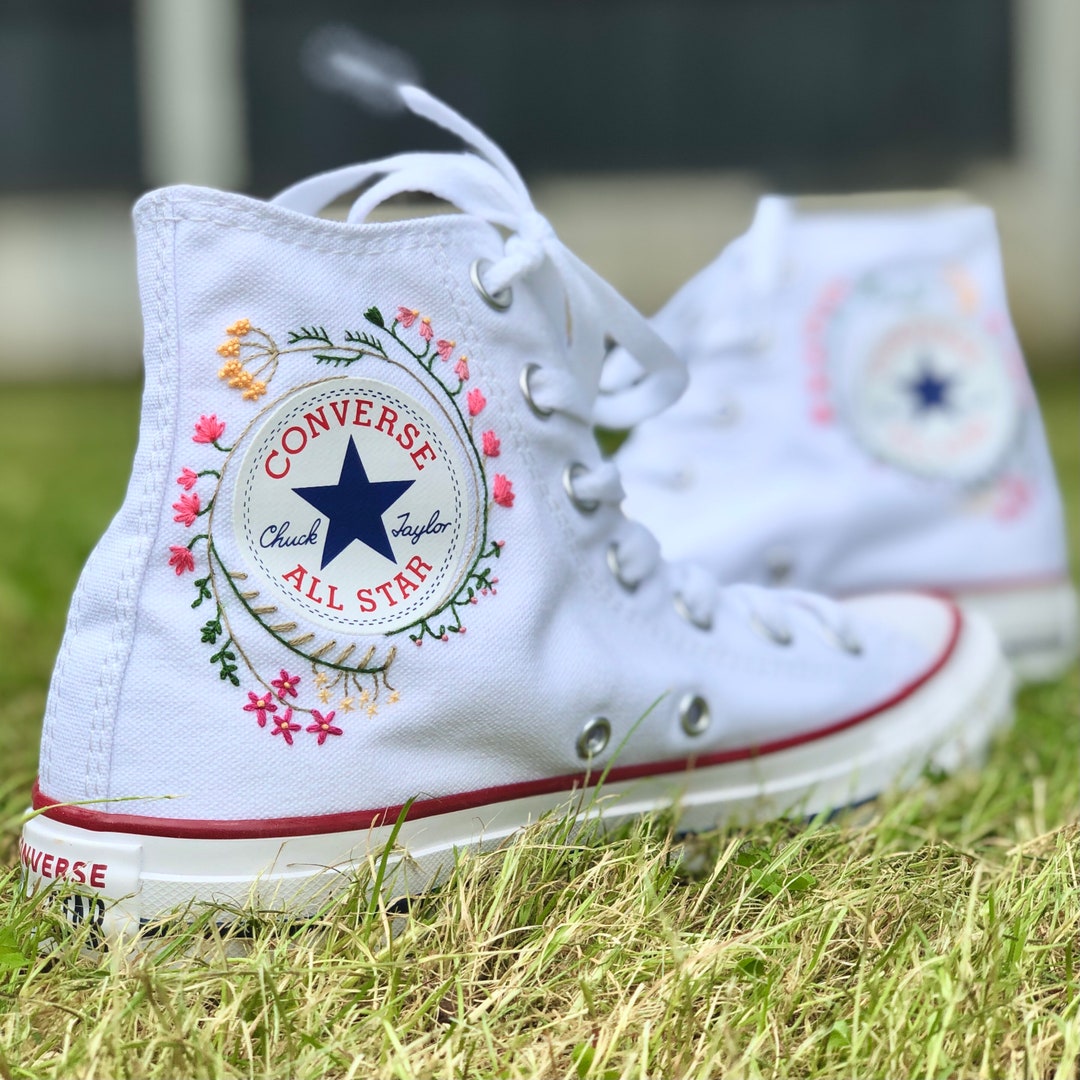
x=187, y=509
x=283, y=725
x=502, y=490
x=476, y=401
x=425, y=329
x=286, y=685
x=181, y=559
x=461, y=368
x=208, y=429
x=407, y=316
x=491, y=444
x=444, y=349
x=260, y=704
x=323, y=726
x=187, y=479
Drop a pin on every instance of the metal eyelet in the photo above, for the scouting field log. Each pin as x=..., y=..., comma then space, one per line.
x=842, y=640
x=688, y=615
x=770, y=633
x=779, y=565
x=694, y=714
x=616, y=568
x=570, y=474
x=727, y=413
x=526, y=391
x=594, y=738
x=501, y=300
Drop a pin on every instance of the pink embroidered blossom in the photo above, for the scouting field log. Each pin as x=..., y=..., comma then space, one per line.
x=286, y=685
x=187, y=509
x=323, y=726
x=491, y=444
x=502, y=490
x=181, y=559
x=407, y=316
x=187, y=479
x=461, y=368
x=476, y=401
x=425, y=329
x=283, y=725
x=444, y=349
x=260, y=704
x=208, y=429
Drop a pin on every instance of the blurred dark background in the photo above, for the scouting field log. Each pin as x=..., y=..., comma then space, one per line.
x=835, y=93
x=667, y=117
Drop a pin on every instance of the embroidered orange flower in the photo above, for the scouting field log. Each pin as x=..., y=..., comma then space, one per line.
x=229, y=369
x=254, y=391
x=231, y=347
x=241, y=380
x=239, y=328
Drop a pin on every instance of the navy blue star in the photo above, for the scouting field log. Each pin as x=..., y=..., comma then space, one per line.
x=930, y=391
x=355, y=506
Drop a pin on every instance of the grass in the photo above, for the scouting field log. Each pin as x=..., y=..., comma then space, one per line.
x=934, y=934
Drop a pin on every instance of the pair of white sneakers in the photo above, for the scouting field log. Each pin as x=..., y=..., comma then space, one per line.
x=372, y=580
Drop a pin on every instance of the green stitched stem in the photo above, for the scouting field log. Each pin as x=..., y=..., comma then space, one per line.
x=223, y=449
x=209, y=472
x=202, y=536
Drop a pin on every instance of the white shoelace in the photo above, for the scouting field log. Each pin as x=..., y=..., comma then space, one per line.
x=483, y=182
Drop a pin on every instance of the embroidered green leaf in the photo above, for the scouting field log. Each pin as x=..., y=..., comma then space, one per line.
x=204, y=592
x=337, y=361
x=374, y=316
x=225, y=659
x=211, y=631
x=368, y=340
x=310, y=333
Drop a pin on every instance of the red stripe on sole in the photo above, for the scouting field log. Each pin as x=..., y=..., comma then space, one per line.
x=360, y=820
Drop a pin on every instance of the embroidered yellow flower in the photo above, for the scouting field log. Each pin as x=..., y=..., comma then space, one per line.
x=229, y=369
x=239, y=328
x=372, y=710
x=324, y=696
x=254, y=391
x=230, y=347
x=346, y=704
x=241, y=380
x=394, y=698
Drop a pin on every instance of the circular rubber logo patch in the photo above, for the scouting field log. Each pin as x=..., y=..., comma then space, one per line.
x=356, y=503
x=933, y=395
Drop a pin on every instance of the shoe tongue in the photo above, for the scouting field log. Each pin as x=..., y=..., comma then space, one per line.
x=767, y=241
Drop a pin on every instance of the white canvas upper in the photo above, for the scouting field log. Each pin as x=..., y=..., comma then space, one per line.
x=859, y=415
x=539, y=608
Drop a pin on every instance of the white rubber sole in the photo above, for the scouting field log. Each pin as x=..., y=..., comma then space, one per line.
x=123, y=881
x=1038, y=626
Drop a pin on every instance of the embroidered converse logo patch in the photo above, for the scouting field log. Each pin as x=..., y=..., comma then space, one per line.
x=353, y=501
x=353, y=514
x=933, y=396
x=922, y=381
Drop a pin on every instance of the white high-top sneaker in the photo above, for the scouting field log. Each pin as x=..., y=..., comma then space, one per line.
x=371, y=572
x=859, y=418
